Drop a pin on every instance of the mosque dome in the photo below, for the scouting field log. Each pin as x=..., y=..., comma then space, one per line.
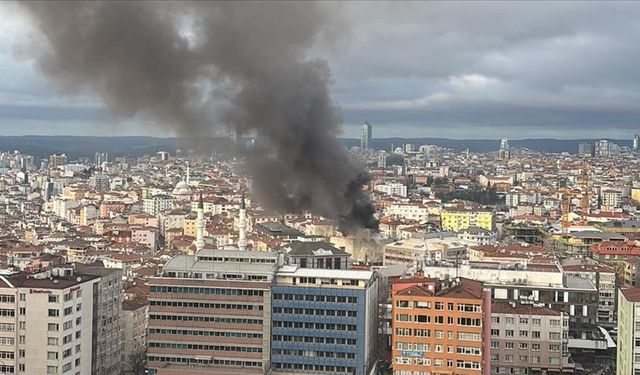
x=182, y=189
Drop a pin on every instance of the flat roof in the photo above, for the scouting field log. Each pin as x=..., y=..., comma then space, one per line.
x=186, y=263
x=324, y=273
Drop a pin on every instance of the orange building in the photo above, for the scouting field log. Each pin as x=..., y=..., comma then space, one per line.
x=440, y=327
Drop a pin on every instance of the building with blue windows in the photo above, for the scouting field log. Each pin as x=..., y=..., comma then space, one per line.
x=324, y=321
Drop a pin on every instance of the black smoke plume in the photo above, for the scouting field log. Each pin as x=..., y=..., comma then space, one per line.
x=244, y=64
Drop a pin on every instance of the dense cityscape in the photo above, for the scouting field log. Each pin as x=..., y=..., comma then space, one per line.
x=513, y=261
x=322, y=188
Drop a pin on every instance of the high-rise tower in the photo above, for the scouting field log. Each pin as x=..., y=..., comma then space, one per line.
x=242, y=225
x=504, y=149
x=365, y=138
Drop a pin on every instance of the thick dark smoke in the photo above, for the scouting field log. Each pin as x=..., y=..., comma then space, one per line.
x=243, y=64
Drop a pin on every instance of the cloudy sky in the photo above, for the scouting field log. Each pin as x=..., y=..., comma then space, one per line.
x=457, y=70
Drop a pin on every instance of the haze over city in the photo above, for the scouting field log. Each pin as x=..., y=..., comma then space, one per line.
x=458, y=70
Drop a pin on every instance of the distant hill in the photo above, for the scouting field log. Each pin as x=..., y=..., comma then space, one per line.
x=76, y=147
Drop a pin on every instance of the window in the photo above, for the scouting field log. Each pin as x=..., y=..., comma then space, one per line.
x=524, y=321
x=52, y=355
x=495, y=345
x=536, y=322
x=54, y=312
x=53, y=327
x=508, y=333
x=495, y=319
x=52, y=369
x=524, y=334
x=22, y=296
x=495, y=332
x=510, y=320
x=535, y=334
x=53, y=298
x=52, y=341
x=535, y=347
x=535, y=359
x=508, y=345
x=403, y=318
x=524, y=345
x=439, y=306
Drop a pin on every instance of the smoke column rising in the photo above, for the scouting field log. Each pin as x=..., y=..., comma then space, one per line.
x=244, y=65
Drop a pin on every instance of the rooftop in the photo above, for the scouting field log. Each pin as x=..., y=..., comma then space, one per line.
x=505, y=307
x=631, y=294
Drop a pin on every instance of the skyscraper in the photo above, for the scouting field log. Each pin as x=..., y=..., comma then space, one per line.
x=504, y=149
x=603, y=148
x=636, y=142
x=365, y=138
x=586, y=149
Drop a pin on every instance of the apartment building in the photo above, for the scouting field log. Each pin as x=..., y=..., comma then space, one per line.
x=541, y=283
x=457, y=220
x=210, y=313
x=324, y=321
x=45, y=322
x=528, y=339
x=107, y=318
x=134, y=339
x=628, y=357
x=604, y=278
x=440, y=327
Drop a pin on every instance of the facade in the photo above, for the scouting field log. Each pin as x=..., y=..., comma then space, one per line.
x=158, y=203
x=611, y=199
x=316, y=254
x=135, y=317
x=586, y=149
x=528, y=339
x=456, y=220
x=478, y=236
x=628, y=357
x=365, y=137
x=504, y=149
x=546, y=284
x=324, y=321
x=440, y=327
x=393, y=189
x=45, y=322
x=56, y=161
x=602, y=148
x=604, y=278
x=210, y=313
x=107, y=319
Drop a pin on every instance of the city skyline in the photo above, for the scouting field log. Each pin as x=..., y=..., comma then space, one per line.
x=528, y=76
